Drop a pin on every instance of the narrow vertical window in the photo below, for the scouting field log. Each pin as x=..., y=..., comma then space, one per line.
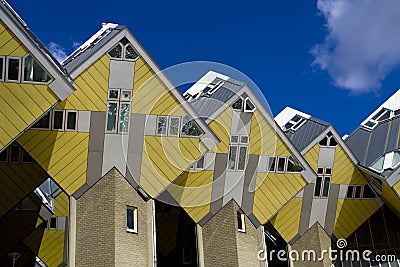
x=241, y=223
x=58, y=119
x=124, y=118
x=327, y=182
x=174, y=123
x=71, y=120
x=271, y=163
x=13, y=67
x=1, y=68
x=242, y=158
x=112, y=110
x=357, y=193
x=317, y=189
x=200, y=163
x=131, y=220
x=232, y=157
x=4, y=155
x=281, y=164
x=53, y=223
x=14, y=153
x=350, y=191
x=162, y=125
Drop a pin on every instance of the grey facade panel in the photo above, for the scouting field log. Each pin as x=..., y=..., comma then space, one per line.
x=135, y=146
x=377, y=143
x=249, y=184
x=219, y=183
x=306, y=208
x=358, y=144
x=393, y=135
x=331, y=210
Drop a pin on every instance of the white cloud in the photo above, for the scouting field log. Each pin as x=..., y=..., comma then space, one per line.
x=57, y=51
x=363, y=42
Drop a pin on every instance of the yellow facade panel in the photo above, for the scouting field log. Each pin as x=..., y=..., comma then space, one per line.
x=351, y=214
x=10, y=45
x=287, y=220
x=311, y=156
x=221, y=126
x=51, y=250
x=344, y=170
x=390, y=196
x=61, y=205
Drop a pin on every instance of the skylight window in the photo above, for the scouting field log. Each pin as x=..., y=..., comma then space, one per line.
x=295, y=123
x=382, y=115
x=388, y=161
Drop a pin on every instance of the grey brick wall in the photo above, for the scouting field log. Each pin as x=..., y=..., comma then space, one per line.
x=101, y=236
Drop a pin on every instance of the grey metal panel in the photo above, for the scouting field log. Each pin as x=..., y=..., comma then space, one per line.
x=393, y=134
x=310, y=130
x=205, y=219
x=249, y=184
x=135, y=145
x=96, y=141
x=253, y=219
x=82, y=190
x=306, y=208
x=377, y=143
x=326, y=157
x=358, y=143
x=79, y=57
x=218, y=183
x=331, y=210
x=121, y=74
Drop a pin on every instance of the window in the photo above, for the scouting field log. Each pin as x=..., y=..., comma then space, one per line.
x=241, y=223
x=187, y=256
x=360, y=191
x=60, y=120
x=52, y=223
x=237, y=156
x=118, y=111
x=1, y=68
x=123, y=51
x=238, y=105
x=131, y=220
x=249, y=106
x=382, y=115
x=281, y=164
x=294, y=123
x=388, y=161
x=4, y=155
x=377, y=183
x=328, y=140
x=162, y=123
x=71, y=123
x=293, y=165
x=190, y=127
x=43, y=123
x=15, y=153
x=323, y=182
x=33, y=72
x=200, y=163
x=13, y=69
x=174, y=124
x=271, y=163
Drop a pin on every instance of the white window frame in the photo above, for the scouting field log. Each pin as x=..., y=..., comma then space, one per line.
x=166, y=126
x=3, y=72
x=268, y=159
x=240, y=139
x=245, y=103
x=134, y=219
x=63, y=120
x=117, y=117
x=243, y=221
x=23, y=71
x=123, y=51
x=245, y=158
x=323, y=176
x=66, y=120
x=120, y=100
x=49, y=223
x=19, y=70
x=169, y=125
x=241, y=108
x=377, y=120
x=22, y=152
x=277, y=165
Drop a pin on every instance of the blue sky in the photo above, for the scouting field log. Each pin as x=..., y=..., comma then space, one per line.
x=336, y=60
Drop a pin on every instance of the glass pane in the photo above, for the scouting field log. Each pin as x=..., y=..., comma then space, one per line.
x=378, y=114
x=43, y=123
x=240, y=222
x=324, y=142
x=249, y=105
x=384, y=116
x=378, y=165
x=112, y=117
x=124, y=118
x=129, y=219
x=288, y=125
x=328, y=171
x=320, y=170
x=113, y=94
x=327, y=182
x=317, y=189
x=130, y=53
x=1, y=68
x=174, y=126
x=368, y=193
x=3, y=156
x=350, y=192
x=232, y=157
x=14, y=157
x=332, y=142
x=396, y=159
x=244, y=139
x=370, y=124
x=357, y=193
x=116, y=52
x=296, y=118
x=281, y=164
x=71, y=120
x=190, y=127
x=293, y=165
x=58, y=117
x=33, y=72
x=234, y=139
x=200, y=163
x=13, y=69
x=162, y=125
x=271, y=164
x=242, y=158
x=238, y=104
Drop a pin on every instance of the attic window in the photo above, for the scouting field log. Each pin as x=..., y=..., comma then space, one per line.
x=328, y=140
x=33, y=72
x=116, y=52
x=294, y=123
x=123, y=50
x=190, y=127
x=382, y=115
x=388, y=161
x=238, y=105
x=130, y=53
x=249, y=106
x=293, y=165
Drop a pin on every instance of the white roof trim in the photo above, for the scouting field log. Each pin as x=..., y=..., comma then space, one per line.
x=201, y=84
x=287, y=114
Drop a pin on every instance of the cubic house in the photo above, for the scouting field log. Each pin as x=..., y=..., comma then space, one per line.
x=103, y=162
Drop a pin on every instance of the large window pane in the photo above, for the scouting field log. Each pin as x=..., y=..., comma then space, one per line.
x=124, y=118
x=190, y=127
x=293, y=165
x=112, y=117
x=242, y=158
x=232, y=157
x=33, y=72
x=13, y=69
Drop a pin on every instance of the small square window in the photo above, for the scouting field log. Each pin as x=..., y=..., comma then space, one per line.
x=241, y=222
x=13, y=69
x=162, y=122
x=126, y=95
x=131, y=220
x=234, y=139
x=244, y=139
x=320, y=170
x=14, y=153
x=113, y=94
x=58, y=119
x=328, y=171
x=72, y=118
x=281, y=164
x=52, y=223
